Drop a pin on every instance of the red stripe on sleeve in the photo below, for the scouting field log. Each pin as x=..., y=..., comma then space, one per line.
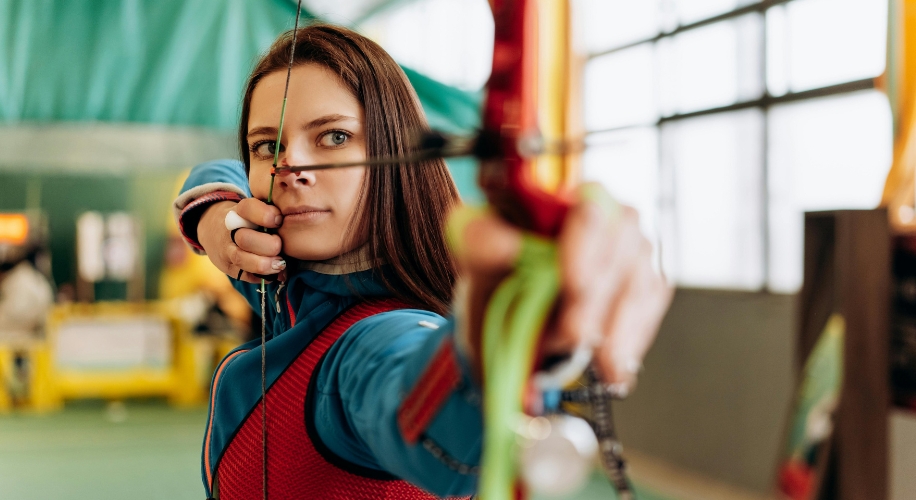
x=435, y=385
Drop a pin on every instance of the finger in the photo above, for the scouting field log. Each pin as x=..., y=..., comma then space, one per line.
x=633, y=324
x=584, y=233
x=252, y=264
x=262, y=214
x=596, y=260
x=258, y=243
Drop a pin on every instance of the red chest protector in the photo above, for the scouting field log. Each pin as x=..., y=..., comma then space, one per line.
x=296, y=469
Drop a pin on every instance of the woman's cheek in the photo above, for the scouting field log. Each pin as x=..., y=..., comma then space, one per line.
x=298, y=245
x=312, y=243
x=259, y=187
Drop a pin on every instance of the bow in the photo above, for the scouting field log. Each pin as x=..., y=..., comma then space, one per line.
x=509, y=146
x=520, y=306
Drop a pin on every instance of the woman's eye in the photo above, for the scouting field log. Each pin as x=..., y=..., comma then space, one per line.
x=334, y=138
x=265, y=148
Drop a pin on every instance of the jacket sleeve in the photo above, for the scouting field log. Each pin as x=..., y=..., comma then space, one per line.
x=374, y=387
x=209, y=182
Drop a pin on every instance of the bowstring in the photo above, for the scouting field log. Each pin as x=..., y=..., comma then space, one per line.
x=620, y=481
x=270, y=197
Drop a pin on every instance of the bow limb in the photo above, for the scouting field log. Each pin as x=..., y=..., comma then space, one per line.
x=529, y=193
x=520, y=306
x=511, y=118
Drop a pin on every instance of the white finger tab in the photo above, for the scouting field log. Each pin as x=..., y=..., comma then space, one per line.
x=235, y=221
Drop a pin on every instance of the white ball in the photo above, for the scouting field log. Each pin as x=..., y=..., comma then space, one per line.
x=561, y=462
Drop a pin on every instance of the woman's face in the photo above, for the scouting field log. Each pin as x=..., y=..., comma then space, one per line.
x=323, y=124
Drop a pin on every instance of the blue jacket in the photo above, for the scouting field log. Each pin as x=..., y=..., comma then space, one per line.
x=365, y=375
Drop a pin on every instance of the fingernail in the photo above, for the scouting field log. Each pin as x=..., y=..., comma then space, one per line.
x=278, y=220
x=278, y=265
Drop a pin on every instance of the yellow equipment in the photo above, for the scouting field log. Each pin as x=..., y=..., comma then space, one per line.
x=112, y=350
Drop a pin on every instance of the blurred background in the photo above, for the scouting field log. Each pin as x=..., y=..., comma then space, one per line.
x=722, y=121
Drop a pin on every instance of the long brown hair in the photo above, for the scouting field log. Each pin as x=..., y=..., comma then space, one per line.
x=403, y=207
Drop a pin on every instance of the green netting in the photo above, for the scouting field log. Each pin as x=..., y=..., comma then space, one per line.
x=167, y=62
x=173, y=62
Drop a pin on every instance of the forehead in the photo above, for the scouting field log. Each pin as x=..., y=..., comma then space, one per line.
x=314, y=91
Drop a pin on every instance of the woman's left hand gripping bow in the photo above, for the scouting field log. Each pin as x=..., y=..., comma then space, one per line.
x=611, y=299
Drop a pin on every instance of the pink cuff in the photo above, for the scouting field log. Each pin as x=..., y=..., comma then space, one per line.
x=190, y=215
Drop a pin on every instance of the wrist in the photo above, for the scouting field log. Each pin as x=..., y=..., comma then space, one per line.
x=189, y=218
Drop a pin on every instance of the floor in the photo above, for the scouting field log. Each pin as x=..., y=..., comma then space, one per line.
x=673, y=482
x=142, y=451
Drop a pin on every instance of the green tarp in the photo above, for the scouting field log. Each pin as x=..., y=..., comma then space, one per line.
x=172, y=62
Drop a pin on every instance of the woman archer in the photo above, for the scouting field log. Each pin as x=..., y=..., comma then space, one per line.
x=362, y=316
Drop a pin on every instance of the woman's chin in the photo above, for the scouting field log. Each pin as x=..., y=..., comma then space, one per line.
x=304, y=244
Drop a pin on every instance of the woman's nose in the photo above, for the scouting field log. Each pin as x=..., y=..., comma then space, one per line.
x=294, y=152
x=294, y=156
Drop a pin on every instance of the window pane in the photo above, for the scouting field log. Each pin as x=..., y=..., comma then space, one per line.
x=422, y=35
x=815, y=43
x=626, y=163
x=715, y=169
x=604, y=24
x=712, y=66
x=824, y=154
x=620, y=89
x=691, y=11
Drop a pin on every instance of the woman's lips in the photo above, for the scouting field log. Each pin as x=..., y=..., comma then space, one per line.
x=304, y=214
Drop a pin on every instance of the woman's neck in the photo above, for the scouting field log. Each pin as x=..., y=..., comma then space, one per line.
x=353, y=261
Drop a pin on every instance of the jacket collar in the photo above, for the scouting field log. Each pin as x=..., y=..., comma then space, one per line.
x=351, y=262
x=347, y=275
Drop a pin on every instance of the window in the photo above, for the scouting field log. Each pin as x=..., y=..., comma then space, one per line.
x=421, y=35
x=714, y=168
x=722, y=121
x=627, y=162
x=827, y=153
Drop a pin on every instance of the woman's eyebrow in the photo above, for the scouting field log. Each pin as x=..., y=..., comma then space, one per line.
x=326, y=119
x=317, y=122
x=262, y=131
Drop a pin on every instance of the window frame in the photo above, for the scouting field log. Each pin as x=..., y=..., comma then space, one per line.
x=763, y=103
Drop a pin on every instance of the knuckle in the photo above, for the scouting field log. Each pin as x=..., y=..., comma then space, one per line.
x=241, y=238
x=244, y=206
x=262, y=244
x=247, y=240
x=235, y=257
x=276, y=245
x=251, y=210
